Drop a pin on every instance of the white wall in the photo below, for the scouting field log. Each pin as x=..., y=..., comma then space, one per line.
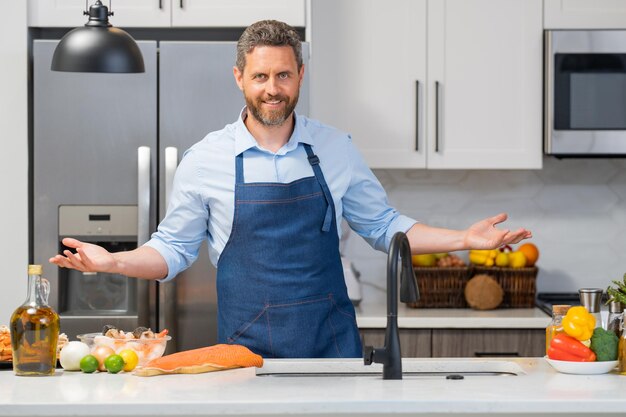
x=13, y=156
x=576, y=209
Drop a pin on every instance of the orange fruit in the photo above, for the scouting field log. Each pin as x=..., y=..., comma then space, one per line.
x=531, y=252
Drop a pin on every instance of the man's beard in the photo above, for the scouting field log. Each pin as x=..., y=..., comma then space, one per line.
x=272, y=117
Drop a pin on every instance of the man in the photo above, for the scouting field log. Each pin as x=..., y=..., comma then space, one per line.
x=267, y=192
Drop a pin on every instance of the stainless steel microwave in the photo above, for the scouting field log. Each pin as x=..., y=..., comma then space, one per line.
x=585, y=93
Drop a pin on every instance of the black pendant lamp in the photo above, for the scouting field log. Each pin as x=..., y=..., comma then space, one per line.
x=98, y=47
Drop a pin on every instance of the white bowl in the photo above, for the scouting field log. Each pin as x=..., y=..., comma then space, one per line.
x=146, y=349
x=582, y=368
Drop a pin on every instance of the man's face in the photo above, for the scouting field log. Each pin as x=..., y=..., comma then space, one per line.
x=270, y=83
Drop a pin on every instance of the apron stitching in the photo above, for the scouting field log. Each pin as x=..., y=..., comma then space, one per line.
x=287, y=200
x=297, y=303
x=242, y=331
x=342, y=312
x=276, y=184
x=330, y=322
x=269, y=333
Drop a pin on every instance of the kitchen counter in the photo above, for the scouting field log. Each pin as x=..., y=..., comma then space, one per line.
x=539, y=390
x=372, y=313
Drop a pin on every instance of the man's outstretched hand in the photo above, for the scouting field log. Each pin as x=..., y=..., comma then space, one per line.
x=88, y=257
x=485, y=235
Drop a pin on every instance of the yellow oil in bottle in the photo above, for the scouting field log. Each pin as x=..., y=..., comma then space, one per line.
x=621, y=349
x=551, y=331
x=555, y=327
x=35, y=330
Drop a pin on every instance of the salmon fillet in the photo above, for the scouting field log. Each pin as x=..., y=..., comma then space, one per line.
x=206, y=359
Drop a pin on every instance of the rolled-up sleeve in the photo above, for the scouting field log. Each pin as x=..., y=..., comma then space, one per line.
x=185, y=226
x=366, y=207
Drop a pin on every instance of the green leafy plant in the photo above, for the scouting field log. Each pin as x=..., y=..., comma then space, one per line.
x=617, y=293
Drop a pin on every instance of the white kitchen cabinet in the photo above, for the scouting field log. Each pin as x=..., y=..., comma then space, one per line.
x=236, y=13
x=584, y=14
x=169, y=13
x=368, y=57
x=127, y=13
x=433, y=83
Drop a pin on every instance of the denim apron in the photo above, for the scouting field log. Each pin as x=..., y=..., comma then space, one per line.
x=280, y=284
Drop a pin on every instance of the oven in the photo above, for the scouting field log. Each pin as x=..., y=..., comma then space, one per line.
x=585, y=93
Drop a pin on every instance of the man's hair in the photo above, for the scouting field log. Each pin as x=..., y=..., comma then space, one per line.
x=268, y=33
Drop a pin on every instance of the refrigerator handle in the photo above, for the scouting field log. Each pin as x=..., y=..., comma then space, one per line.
x=168, y=314
x=143, y=195
x=143, y=229
x=171, y=163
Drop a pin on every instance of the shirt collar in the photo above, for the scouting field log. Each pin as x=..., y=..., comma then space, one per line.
x=244, y=139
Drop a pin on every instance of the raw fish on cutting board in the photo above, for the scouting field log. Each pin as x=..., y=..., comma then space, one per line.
x=207, y=359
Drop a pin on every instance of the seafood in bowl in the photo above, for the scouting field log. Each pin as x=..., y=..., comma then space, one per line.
x=147, y=344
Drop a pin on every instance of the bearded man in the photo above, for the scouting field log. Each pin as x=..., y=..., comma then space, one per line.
x=268, y=193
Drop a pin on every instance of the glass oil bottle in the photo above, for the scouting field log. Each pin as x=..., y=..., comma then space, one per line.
x=556, y=326
x=621, y=349
x=35, y=329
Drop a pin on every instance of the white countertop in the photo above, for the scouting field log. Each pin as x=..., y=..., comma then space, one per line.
x=372, y=313
x=539, y=390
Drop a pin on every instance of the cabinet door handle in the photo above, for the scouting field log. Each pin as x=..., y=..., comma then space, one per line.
x=437, y=116
x=160, y=4
x=181, y=4
x=417, y=115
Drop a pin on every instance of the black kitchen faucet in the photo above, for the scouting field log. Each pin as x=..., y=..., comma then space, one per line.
x=389, y=355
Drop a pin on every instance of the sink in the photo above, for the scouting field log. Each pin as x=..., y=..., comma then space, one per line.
x=412, y=368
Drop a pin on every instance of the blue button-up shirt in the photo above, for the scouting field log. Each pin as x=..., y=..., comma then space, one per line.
x=202, y=202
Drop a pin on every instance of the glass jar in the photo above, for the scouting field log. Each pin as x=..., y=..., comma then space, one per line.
x=35, y=329
x=621, y=350
x=556, y=326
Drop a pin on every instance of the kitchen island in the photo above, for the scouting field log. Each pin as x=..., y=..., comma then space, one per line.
x=538, y=390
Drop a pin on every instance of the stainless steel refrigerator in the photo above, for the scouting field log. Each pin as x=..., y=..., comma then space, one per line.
x=105, y=149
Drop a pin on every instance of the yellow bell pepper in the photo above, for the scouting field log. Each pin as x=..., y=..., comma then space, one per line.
x=578, y=323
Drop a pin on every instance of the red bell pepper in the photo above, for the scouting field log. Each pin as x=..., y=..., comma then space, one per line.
x=566, y=348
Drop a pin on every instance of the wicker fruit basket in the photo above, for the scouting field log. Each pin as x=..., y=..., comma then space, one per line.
x=443, y=287
x=519, y=284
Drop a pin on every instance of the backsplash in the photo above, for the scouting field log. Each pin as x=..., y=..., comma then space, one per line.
x=576, y=209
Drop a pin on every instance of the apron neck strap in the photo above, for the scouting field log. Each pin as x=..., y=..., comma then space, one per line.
x=315, y=164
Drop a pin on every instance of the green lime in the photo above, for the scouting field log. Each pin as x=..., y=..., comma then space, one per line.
x=89, y=364
x=114, y=363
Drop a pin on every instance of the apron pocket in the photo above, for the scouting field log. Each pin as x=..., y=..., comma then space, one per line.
x=311, y=327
